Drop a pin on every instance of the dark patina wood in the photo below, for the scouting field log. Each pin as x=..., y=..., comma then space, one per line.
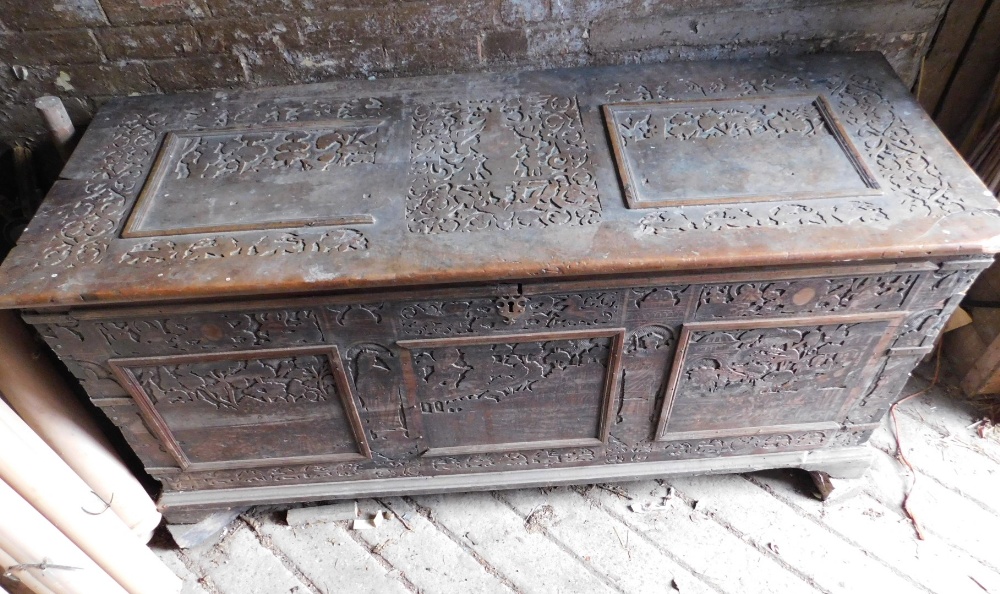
x=483, y=281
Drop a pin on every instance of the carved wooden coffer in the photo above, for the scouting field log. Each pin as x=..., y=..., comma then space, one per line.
x=485, y=281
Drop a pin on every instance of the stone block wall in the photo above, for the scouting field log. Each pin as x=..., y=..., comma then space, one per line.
x=88, y=50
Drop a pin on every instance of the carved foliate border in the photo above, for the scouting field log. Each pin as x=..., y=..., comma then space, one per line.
x=899, y=161
x=89, y=226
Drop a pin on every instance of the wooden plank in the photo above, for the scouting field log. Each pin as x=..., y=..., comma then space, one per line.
x=973, y=77
x=840, y=462
x=946, y=49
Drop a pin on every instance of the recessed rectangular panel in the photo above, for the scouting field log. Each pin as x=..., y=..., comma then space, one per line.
x=247, y=408
x=261, y=178
x=733, y=377
x=672, y=153
x=502, y=393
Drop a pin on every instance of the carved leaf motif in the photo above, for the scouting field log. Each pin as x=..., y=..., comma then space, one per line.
x=230, y=385
x=498, y=372
x=457, y=185
x=158, y=251
x=772, y=360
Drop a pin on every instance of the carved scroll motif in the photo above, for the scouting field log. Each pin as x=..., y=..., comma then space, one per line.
x=452, y=318
x=234, y=384
x=751, y=121
x=619, y=452
x=87, y=226
x=277, y=111
x=215, y=156
x=253, y=477
x=768, y=361
x=204, y=332
x=500, y=164
x=804, y=296
x=501, y=373
x=155, y=251
x=515, y=460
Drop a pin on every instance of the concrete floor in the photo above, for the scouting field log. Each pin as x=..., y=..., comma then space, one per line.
x=761, y=532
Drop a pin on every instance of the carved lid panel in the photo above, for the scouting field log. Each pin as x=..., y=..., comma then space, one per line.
x=486, y=177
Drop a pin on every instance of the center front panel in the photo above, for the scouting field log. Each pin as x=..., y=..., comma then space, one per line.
x=503, y=393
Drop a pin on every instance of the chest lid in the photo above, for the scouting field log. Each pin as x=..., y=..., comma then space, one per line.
x=492, y=177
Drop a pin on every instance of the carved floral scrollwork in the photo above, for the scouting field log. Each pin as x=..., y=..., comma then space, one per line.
x=458, y=184
x=232, y=384
x=619, y=452
x=499, y=372
x=259, y=476
x=156, y=251
x=885, y=139
x=804, y=296
x=768, y=361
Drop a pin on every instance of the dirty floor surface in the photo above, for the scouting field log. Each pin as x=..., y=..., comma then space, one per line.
x=761, y=532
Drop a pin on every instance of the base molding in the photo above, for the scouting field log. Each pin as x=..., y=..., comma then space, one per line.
x=188, y=506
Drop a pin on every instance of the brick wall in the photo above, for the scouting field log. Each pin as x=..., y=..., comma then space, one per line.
x=88, y=50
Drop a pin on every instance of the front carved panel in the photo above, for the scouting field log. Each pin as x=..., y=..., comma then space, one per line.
x=530, y=378
x=730, y=377
x=247, y=407
x=488, y=394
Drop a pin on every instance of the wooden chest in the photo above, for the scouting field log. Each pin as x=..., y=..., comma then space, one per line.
x=484, y=281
